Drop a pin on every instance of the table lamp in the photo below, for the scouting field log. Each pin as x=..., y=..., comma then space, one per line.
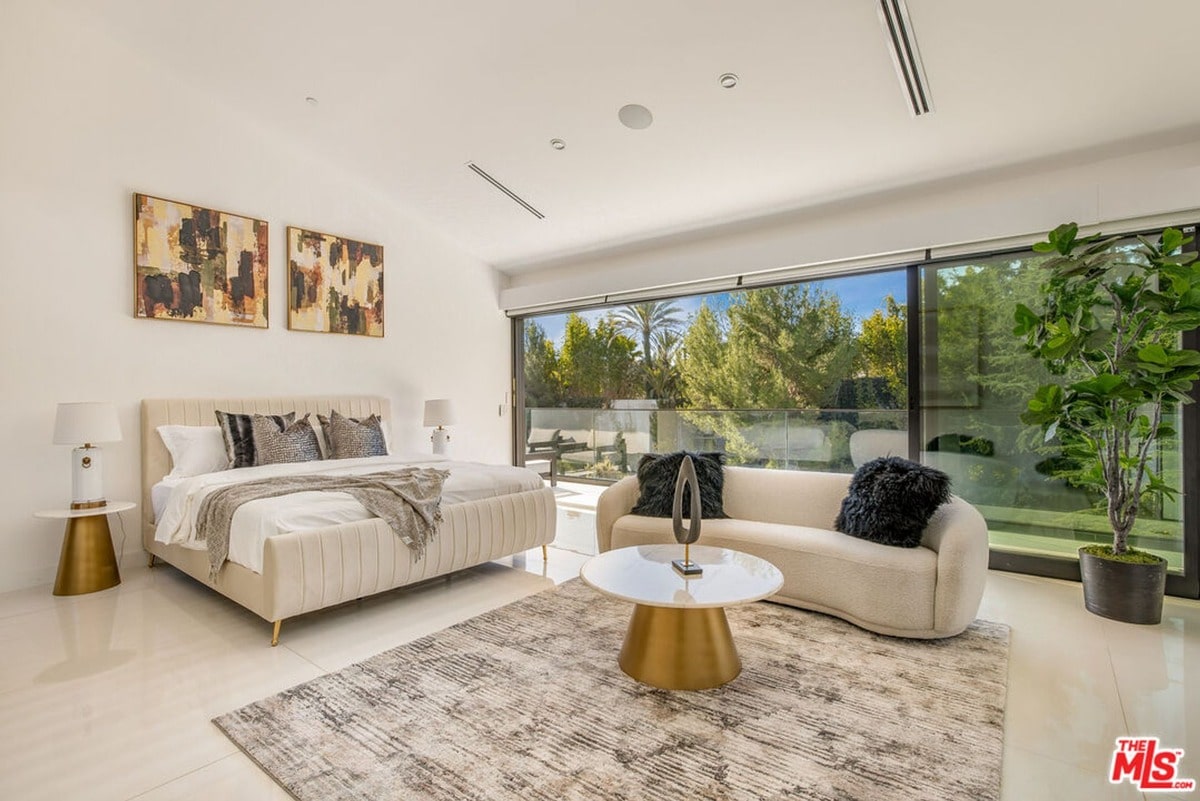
x=440, y=412
x=86, y=423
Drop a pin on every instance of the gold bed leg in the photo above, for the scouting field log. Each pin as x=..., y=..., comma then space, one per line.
x=151, y=562
x=545, y=554
x=275, y=633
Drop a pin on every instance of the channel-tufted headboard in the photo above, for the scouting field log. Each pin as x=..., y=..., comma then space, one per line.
x=156, y=461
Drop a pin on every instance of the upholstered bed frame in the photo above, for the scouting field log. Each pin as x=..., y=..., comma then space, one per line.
x=308, y=570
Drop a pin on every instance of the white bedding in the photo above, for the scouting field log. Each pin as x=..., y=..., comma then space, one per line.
x=160, y=493
x=255, y=521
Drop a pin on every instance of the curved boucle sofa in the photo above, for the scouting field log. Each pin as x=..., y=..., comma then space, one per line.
x=786, y=517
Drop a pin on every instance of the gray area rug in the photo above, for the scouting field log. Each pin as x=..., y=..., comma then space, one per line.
x=527, y=702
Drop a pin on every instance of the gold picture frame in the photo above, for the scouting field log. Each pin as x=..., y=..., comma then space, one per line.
x=335, y=284
x=198, y=264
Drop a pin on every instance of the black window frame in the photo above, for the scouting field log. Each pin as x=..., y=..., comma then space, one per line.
x=919, y=333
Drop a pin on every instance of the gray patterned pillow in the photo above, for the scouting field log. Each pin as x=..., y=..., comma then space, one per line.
x=296, y=443
x=238, y=434
x=351, y=439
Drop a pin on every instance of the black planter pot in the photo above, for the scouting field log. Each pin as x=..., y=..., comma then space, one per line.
x=1123, y=591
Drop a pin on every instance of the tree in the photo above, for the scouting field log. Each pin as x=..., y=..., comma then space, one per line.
x=543, y=384
x=978, y=362
x=883, y=348
x=596, y=366
x=786, y=348
x=702, y=362
x=777, y=348
x=1117, y=316
x=979, y=377
x=663, y=376
x=644, y=320
x=791, y=344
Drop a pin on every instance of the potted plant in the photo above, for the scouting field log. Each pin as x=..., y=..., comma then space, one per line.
x=1109, y=326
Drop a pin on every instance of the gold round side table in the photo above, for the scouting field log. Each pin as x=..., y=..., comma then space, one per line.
x=87, y=562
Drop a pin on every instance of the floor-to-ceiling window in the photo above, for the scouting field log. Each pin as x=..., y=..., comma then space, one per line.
x=778, y=377
x=976, y=381
x=829, y=373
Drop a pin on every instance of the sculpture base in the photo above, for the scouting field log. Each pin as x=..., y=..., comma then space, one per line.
x=686, y=568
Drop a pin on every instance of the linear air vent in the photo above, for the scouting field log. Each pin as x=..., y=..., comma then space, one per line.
x=482, y=173
x=893, y=15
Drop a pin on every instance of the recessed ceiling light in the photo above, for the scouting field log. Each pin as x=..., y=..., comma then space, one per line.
x=728, y=80
x=635, y=116
x=558, y=144
x=312, y=101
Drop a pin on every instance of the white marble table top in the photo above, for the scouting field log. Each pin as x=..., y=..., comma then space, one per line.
x=95, y=511
x=643, y=575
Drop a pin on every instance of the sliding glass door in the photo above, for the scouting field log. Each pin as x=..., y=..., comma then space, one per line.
x=919, y=360
x=976, y=380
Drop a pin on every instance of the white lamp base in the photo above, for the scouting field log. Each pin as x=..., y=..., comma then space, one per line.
x=87, y=478
x=441, y=441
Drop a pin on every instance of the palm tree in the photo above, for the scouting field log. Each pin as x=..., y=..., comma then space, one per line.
x=643, y=320
x=664, y=377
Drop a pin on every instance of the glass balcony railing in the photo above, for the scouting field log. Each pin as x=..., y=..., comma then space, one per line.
x=1027, y=509
x=606, y=444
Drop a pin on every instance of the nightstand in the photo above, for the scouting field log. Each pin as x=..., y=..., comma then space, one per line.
x=87, y=562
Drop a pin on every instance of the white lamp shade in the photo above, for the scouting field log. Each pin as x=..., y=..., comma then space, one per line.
x=439, y=412
x=79, y=423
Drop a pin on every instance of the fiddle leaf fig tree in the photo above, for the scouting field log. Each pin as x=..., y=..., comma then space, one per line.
x=1109, y=327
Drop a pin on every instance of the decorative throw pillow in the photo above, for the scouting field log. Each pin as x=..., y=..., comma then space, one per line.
x=194, y=450
x=349, y=438
x=238, y=433
x=656, y=484
x=320, y=422
x=891, y=501
x=296, y=443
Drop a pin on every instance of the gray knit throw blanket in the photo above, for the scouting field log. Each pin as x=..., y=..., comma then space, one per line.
x=409, y=500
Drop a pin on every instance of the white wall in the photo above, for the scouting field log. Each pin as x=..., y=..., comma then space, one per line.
x=1159, y=179
x=83, y=124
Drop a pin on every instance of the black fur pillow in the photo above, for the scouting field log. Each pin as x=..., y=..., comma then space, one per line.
x=891, y=500
x=656, y=481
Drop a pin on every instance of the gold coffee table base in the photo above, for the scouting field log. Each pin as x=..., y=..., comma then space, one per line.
x=87, y=562
x=679, y=649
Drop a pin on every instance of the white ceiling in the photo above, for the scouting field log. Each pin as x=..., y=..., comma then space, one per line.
x=409, y=92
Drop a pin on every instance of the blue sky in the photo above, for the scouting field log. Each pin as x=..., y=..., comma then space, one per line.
x=860, y=295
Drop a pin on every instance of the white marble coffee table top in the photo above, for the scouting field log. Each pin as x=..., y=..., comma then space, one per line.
x=642, y=574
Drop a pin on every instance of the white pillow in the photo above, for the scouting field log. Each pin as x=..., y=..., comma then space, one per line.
x=194, y=450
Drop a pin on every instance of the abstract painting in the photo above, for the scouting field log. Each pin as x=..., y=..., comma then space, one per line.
x=197, y=264
x=335, y=284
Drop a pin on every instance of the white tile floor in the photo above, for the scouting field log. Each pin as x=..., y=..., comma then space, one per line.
x=109, y=695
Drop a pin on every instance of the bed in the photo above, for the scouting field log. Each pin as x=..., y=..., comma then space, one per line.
x=313, y=568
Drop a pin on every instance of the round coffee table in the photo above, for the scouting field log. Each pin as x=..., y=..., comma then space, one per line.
x=678, y=637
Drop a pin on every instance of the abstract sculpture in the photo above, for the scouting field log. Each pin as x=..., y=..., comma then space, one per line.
x=686, y=478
